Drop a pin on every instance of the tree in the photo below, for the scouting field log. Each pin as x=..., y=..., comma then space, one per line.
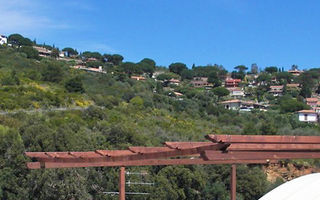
x=148, y=66
x=166, y=76
x=70, y=51
x=148, y=61
x=94, y=64
x=53, y=73
x=251, y=182
x=264, y=78
x=220, y=92
x=30, y=52
x=271, y=69
x=89, y=54
x=254, y=68
x=115, y=59
x=214, y=79
x=294, y=67
x=130, y=68
x=238, y=75
x=74, y=85
x=291, y=105
x=177, y=67
x=284, y=77
x=19, y=40
x=186, y=74
x=178, y=183
x=241, y=68
x=305, y=91
x=55, y=53
x=11, y=79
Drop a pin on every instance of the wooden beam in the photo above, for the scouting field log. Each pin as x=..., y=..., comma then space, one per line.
x=122, y=183
x=233, y=182
x=143, y=150
x=186, y=145
x=264, y=139
x=273, y=147
x=151, y=162
x=232, y=155
x=168, y=153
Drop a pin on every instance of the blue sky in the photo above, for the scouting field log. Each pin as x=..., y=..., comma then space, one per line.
x=226, y=32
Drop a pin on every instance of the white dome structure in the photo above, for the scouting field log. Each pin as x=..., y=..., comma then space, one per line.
x=303, y=188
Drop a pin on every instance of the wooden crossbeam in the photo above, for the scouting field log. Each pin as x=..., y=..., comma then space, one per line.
x=186, y=145
x=151, y=162
x=167, y=153
x=143, y=150
x=232, y=155
x=273, y=147
x=264, y=139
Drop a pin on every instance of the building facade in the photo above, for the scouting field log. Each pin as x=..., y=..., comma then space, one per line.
x=3, y=40
x=308, y=116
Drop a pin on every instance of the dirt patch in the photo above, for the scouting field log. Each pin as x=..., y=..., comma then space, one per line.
x=287, y=171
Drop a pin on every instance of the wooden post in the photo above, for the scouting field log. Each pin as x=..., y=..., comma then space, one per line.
x=233, y=182
x=122, y=184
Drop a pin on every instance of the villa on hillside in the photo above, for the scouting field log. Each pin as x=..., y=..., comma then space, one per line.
x=293, y=86
x=295, y=72
x=236, y=104
x=308, y=116
x=3, y=40
x=230, y=82
x=90, y=69
x=138, y=78
x=174, y=82
x=199, y=82
x=276, y=90
x=236, y=92
x=43, y=52
x=312, y=102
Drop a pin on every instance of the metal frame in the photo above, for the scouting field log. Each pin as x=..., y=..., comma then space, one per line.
x=221, y=149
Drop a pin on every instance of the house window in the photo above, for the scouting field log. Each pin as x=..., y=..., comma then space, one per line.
x=305, y=117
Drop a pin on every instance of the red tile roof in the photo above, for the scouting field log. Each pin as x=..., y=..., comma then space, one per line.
x=276, y=86
x=307, y=111
x=231, y=101
x=312, y=99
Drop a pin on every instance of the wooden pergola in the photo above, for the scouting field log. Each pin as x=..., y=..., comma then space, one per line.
x=220, y=149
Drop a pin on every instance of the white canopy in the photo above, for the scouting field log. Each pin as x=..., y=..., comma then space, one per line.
x=303, y=188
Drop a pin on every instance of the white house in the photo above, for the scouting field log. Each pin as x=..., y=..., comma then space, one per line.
x=308, y=116
x=233, y=104
x=236, y=92
x=3, y=40
x=62, y=54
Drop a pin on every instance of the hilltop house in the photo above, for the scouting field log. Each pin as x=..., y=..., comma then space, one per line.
x=230, y=82
x=236, y=92
x=236, y=104
x=312, y=102
x=42, y=51
x=308, y=116
x=295, y=72
x=200, y=82
x=90, y=69
x=293, y=86
x=174, y=82
x=138, y=78
x=276, y=90
x=62, y=54
x=3, y=40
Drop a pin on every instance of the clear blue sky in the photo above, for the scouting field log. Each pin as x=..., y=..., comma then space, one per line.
x=226, y=32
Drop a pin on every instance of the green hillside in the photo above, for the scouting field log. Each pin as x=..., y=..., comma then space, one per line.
x=117, y=112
